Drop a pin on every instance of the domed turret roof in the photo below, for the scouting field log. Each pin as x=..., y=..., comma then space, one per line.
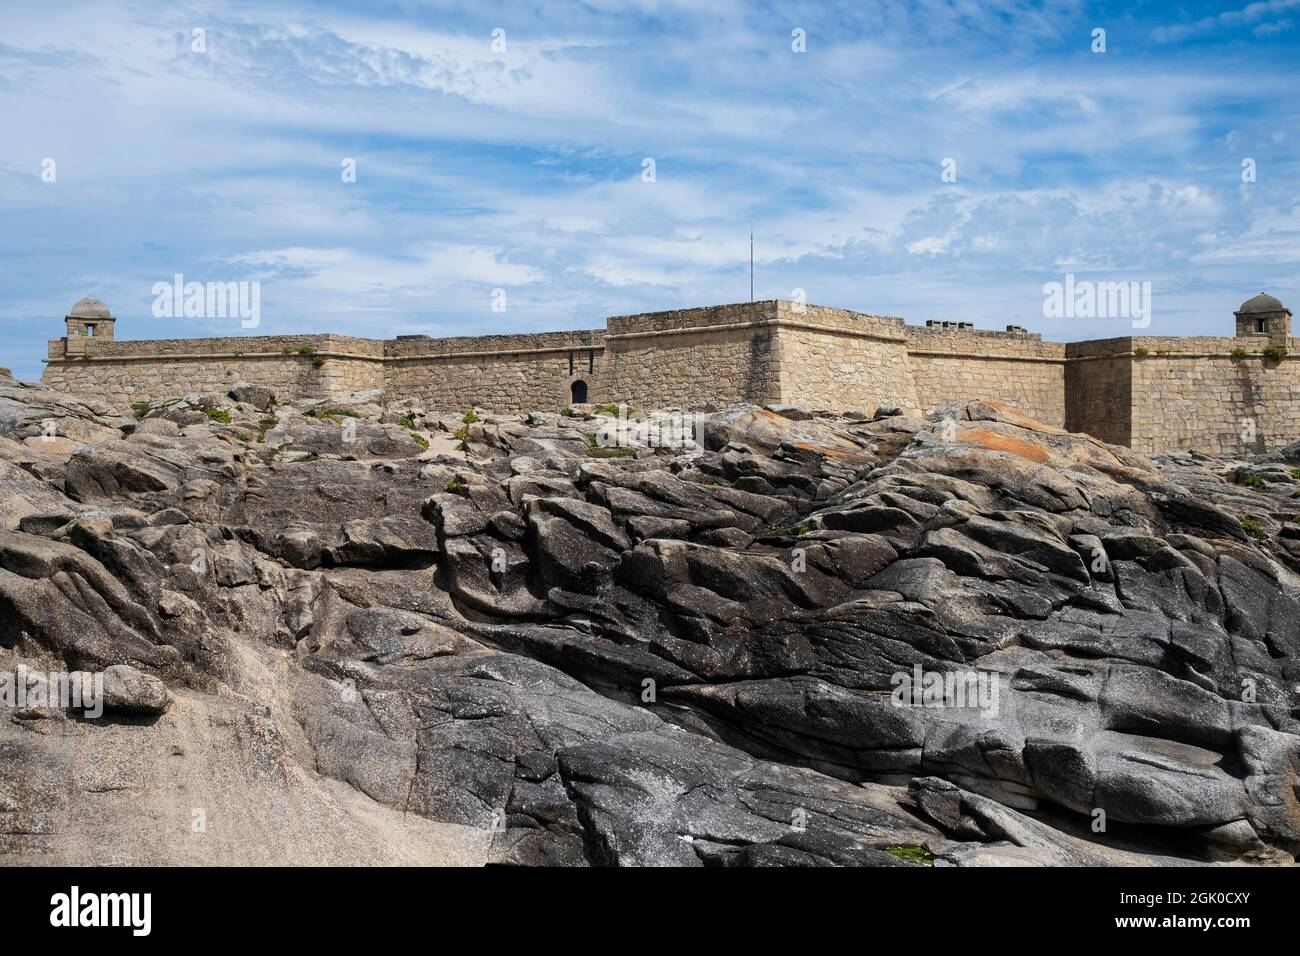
x=1262, y=303
x=90, y=308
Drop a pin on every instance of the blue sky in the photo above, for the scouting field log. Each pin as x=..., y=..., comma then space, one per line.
x=522, y=169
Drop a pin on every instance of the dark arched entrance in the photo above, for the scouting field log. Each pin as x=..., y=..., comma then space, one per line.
x=578, y=392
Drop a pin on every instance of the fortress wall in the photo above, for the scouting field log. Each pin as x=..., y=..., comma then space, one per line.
x=119, y=380
x=1166, y=393
x=149, y=370
x=838, y=360
x=1153, y=393
x=950, y=365
x=343, y=375
x=1192, y=393
x=722, y=354
x=502, y=373
x=1099, y=389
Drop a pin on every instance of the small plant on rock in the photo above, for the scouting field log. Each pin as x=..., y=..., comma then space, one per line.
x=221, y=415
x=597, y=450
x=615, y=452
x=792, y=531
x=1253, y=528
x=912, y=854
x=1275, y=353
x=1238, y=353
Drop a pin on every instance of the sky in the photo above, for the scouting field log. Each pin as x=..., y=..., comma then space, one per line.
x=520, y=164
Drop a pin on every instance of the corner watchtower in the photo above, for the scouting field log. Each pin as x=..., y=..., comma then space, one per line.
x=1264, y=315
x=90, y=318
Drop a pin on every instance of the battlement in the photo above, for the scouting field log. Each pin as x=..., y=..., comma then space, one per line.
x=939, y=326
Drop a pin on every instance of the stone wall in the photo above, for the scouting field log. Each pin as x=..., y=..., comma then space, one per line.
x=951, y=365
x=1152, y=393
x=723, y=354
x=1183, y=393
x=499, y=372
x=503, y=373
x=838, y=360
x=1193, y=393
x=1099, y=389
x=134, y=371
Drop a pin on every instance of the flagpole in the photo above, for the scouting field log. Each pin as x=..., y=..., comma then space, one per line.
x=751, y=263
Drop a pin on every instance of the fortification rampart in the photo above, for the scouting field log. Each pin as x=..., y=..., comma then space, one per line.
x=510, y=373
x=951, y=364
x=722, y=354
x=132, y=371
x=1228, y=394
x=1215, y=394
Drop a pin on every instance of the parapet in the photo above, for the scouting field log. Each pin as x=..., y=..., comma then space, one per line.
x=523, y=343
x=678, y=320
x=762, y=313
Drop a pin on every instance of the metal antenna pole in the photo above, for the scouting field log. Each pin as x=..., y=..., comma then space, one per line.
x=751, y=263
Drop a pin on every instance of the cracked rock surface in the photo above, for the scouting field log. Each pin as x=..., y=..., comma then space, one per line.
x=362, y=633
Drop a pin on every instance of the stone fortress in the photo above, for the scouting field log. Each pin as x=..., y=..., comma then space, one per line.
x=1216, y=394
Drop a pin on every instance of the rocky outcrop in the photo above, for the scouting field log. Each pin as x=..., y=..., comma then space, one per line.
x=973, y=639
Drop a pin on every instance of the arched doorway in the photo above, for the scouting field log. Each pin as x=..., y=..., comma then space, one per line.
x=578, y=392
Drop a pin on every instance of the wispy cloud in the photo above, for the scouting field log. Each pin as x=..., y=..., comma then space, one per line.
x=1262, y=18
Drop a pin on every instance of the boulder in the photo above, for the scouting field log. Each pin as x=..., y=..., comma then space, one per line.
x=129, y=691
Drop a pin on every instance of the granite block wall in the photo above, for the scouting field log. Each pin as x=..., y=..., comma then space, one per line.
x=840, y=361
x=722, y=354
x=504, y=373
x=1212, y=394
x=950, y=365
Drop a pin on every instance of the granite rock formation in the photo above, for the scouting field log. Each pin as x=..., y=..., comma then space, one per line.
x=360, y=633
